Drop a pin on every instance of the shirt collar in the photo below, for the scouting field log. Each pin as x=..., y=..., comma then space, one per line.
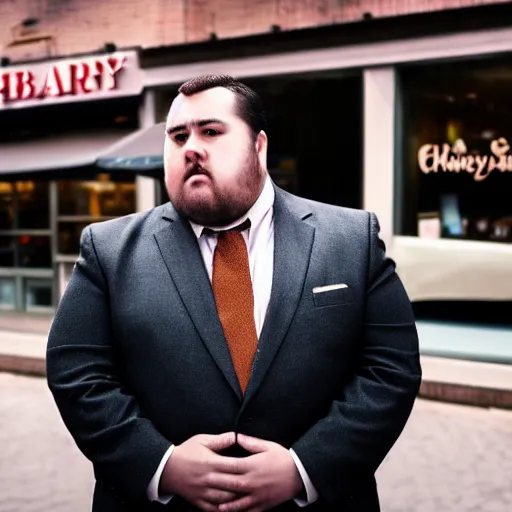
x=255, y=214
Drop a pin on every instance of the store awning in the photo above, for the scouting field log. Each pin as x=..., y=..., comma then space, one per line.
x=50, y=154
x=142, y=151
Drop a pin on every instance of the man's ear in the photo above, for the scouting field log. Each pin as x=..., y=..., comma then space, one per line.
x=261, y=141
x=261, y=148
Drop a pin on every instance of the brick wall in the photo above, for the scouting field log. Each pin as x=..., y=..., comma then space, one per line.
x=85, y=25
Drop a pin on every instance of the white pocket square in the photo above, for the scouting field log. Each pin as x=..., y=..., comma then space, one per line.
x=329, y=288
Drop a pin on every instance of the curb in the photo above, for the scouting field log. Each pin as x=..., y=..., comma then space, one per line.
x=24, y=365
x=466, y=395
x=432, y=390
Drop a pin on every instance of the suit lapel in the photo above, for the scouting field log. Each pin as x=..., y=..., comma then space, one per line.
x=293, y=240
x=182, y=256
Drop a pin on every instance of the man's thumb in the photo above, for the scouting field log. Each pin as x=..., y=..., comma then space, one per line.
x=219, y=442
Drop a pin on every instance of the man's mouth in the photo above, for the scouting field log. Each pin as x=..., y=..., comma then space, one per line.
x=196, y=170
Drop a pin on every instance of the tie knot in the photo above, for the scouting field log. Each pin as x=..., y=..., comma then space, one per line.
x=235, y=230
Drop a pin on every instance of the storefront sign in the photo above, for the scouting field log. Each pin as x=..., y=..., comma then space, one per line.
x=94, y=77
x=435, y=158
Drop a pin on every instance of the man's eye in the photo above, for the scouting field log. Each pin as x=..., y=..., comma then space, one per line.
x=180, y=137
x=211, y=132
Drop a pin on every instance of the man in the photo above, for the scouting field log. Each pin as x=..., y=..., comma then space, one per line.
x=238, y=348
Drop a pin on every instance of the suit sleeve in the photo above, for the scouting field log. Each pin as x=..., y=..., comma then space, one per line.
x=342, y=451
x=84, y=376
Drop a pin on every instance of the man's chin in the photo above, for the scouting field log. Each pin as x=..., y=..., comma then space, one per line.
x=199, y=210
x=204, y=208
x=207, y=215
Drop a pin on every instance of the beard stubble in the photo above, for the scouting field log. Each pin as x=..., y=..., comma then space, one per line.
x=224, y=206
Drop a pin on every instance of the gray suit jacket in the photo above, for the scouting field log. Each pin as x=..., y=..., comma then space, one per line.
x=137, y=358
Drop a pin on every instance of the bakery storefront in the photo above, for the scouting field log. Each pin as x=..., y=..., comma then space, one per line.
x=415, y=130
x=56, y=118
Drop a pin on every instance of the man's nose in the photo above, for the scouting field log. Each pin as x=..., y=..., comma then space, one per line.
x=194, y=150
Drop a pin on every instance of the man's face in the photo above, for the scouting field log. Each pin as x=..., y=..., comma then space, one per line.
x=214, y=169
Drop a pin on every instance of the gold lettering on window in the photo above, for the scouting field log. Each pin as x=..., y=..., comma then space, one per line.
x=436, y=158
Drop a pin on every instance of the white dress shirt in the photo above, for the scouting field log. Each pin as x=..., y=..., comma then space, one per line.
x=260, y=243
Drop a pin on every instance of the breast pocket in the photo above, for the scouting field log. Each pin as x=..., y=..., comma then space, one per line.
x=332, y=295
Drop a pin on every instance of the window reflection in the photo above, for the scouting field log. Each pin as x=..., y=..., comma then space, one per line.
x=96, y=198
x=24, y=205
x=69, y=237
x=26, y=251
x=7, y=251
x=33, y=204
x=6, y=206
x=82, y=202
x=38, y=293
x=7, y=293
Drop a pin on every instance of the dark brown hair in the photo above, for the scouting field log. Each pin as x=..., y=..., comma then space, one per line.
x=249, y=106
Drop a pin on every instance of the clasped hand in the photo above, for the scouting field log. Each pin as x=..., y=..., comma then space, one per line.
x=213, y=482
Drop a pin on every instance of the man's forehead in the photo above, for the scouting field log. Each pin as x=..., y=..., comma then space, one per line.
x=215, y=103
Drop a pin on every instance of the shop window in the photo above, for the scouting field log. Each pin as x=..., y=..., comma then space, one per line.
x=33, y=201
x=24, y=205
x=81, y=203
x=7, y=293
x=101, y=198
x=25, y=251
x=7, y=251
x=38, y=294
x=456, y=172
x=6, y=206
x=69, y=237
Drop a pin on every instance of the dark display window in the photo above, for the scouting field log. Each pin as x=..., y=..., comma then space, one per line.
x=24, y=205
x=455, y=175
x=25, y=251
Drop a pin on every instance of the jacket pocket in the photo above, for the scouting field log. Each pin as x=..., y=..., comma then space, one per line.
x=323, y=296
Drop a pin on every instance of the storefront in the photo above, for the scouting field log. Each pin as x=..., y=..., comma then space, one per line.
x=376, y=115
x=55, y=119
x=454, y=182
x=411, y=123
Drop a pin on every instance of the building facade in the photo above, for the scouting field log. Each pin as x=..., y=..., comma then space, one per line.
x=56, y=117
x=397, y=107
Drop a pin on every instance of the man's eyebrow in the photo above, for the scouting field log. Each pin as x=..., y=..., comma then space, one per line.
x=199, y=122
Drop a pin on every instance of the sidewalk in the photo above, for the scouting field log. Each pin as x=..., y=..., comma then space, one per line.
x=23, y=342
x=447, y=375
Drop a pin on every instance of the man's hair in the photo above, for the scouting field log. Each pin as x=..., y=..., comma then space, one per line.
x=249, y=106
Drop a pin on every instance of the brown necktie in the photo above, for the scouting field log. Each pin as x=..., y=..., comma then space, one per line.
x=232, y=289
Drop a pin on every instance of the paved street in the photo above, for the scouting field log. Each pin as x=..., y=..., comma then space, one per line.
x=449, y=459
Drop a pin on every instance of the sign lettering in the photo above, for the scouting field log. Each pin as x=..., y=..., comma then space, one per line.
x=66, y=78
x=435, y=158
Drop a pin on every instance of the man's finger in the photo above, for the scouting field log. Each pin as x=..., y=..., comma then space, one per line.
x=245, y=503
x=217, y=497
x=253, y=444
x=219, y=442
x=231, y=465
x=237, y=484
x=206, y=506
